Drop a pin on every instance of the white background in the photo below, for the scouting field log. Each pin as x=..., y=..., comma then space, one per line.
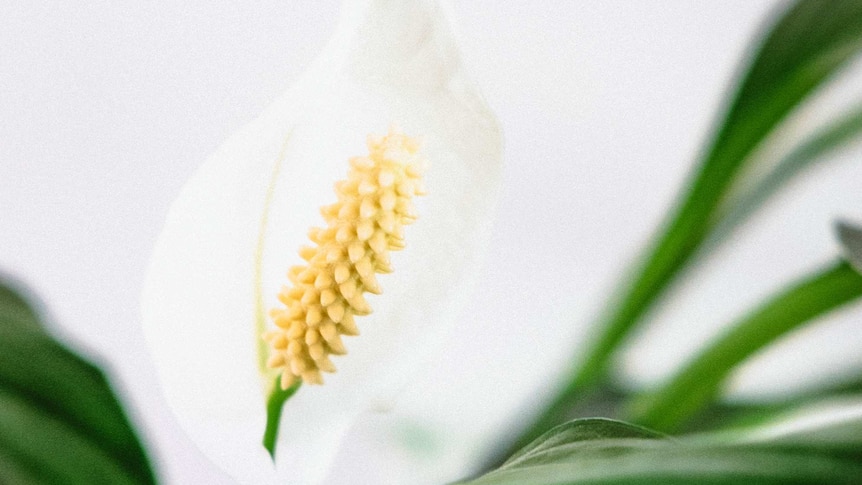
x=106, y=108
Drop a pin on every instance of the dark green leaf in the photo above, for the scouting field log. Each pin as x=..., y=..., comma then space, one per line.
x=699, y=381
x=59, y=420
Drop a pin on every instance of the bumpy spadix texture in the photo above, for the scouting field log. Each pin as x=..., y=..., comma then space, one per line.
x=374, y=203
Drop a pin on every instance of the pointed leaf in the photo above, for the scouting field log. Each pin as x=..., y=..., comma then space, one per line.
x=15, y=311
x=567, y=438
x=851, y=239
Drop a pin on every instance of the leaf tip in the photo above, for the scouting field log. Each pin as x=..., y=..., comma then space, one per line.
x=850, y=237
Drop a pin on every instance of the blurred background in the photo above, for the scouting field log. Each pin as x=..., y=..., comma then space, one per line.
x=106, y=109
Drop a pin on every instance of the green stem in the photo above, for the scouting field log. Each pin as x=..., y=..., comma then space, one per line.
x=699, y=381
x=276, y=396
x=274, y=405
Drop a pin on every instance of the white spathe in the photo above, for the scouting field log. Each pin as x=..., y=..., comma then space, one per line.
x=390, y=61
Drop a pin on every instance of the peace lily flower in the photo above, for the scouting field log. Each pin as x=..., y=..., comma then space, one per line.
x=211, y=304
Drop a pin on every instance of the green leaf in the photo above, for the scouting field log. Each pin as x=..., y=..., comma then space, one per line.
x=690, y=390
x=743, y=413
x=569, y=438
x=685, y=465
x=807, y=45
x=804, y=157
x=832, y=424
x=851, y=240
x=15, y=311
x=59, y=420
x=599, y=451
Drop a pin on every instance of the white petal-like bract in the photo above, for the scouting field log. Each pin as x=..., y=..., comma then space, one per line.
x=225, y=242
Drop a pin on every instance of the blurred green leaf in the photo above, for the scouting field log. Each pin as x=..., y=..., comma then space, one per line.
x=15, y=311
x=832, y=424
x=59, y=420
x=745, y=413
x=565, y=439
x=610, y=452
x=805, y=156
x=809, y=43
x=690, y=390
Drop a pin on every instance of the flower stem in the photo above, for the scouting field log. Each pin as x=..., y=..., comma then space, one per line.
x=274, y=405
x=276, y=396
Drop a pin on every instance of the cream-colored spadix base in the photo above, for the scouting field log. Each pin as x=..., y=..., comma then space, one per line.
x=374, y=203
